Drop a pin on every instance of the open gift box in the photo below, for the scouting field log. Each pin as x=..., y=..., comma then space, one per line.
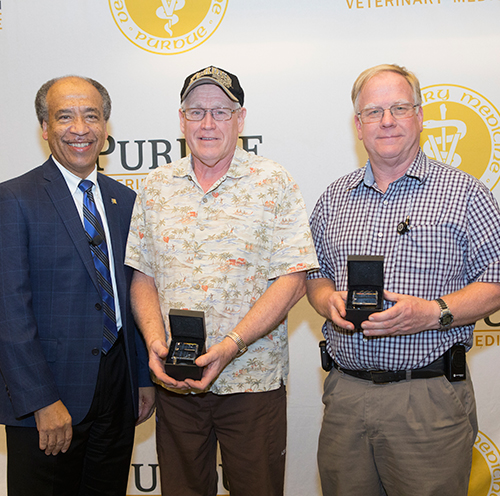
x=188, y=333
x=365, y=281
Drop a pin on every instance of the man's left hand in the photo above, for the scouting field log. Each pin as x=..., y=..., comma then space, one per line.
x=409, y=315
x=214, y=361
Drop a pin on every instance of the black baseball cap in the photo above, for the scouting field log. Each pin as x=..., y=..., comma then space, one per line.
x=213, y=75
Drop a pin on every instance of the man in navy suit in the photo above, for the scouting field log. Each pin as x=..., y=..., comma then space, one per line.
x=69, y=407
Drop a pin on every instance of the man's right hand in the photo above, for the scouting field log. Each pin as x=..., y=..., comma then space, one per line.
x=158, y=352
x=54, y=428
x=328, y=302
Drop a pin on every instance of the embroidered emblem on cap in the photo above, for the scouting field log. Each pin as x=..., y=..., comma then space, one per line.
x=216, y=74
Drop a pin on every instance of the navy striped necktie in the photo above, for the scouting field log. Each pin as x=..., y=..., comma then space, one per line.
x=99, y=249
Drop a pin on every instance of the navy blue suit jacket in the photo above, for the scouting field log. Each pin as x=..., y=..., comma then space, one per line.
x=50, y=306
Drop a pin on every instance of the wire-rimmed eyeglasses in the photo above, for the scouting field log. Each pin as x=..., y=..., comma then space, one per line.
x=398, y=111
x=219, y=114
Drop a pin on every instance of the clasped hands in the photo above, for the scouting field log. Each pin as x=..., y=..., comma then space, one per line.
x=213, y=362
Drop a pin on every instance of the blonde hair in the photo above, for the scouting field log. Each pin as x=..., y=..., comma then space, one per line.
x=365, y=76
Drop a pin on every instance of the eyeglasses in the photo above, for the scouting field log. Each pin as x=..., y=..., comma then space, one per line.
x=398, y=111
x=219, y=114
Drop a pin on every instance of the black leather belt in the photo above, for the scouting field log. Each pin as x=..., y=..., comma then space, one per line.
x=434, y=369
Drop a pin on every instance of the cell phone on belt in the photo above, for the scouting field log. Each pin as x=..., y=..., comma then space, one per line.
x=455, y=364
x=326, y=359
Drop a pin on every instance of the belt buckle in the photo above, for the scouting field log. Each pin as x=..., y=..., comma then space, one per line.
x=384, y=376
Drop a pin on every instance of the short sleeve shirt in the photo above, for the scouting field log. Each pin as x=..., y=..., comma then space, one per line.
x=218, y=251
x=453, y=240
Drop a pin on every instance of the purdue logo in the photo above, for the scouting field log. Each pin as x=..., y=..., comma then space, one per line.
x=168, y=27
x=462, y=129
x=485, y=474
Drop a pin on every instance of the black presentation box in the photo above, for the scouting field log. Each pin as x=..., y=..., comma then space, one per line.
x=187, y=329
x=365, y=281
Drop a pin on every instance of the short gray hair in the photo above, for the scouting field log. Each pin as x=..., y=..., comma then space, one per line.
x=42, y=109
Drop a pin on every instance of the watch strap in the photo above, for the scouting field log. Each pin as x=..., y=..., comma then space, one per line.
x=442, y=304
x=446, y=317
x=242, y=347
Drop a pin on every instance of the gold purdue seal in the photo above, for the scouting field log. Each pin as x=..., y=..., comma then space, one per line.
x=168, y=27
x=462, y=129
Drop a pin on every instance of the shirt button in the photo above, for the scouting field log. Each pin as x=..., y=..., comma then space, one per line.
x=205, y=200
x=380, y=234
x=201, y=228
x=98, y=306
x=386, y=202
x=196, y=286
x=95, y=351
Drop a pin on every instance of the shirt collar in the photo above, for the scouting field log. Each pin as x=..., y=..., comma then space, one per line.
x=418, y=170
x=73, y=181
x=239, y=167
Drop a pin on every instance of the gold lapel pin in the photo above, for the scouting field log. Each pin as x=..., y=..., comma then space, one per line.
x=113, y=201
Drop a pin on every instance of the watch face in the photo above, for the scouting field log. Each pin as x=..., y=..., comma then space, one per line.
x=446, y=319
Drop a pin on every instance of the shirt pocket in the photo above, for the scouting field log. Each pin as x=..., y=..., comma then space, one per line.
x=429, y=256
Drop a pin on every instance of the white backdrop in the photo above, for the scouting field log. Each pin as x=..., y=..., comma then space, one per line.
x=297, y=61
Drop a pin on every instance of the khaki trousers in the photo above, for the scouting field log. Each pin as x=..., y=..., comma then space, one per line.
x=408, y=438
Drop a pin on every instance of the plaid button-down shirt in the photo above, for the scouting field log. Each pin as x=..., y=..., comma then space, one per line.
x=453, y=240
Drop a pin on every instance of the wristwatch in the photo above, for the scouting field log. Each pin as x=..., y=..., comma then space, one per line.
x=446, y=317
x=242, y=347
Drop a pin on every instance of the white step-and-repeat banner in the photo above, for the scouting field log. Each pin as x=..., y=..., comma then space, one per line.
x=297, y=61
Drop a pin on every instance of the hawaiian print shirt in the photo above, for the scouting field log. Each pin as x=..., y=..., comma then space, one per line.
x=218, y=251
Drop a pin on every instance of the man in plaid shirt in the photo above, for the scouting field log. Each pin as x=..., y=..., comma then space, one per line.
x=394, y=423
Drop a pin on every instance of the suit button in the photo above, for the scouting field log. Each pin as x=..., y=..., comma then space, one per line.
x=95, y=351
x=98, y=306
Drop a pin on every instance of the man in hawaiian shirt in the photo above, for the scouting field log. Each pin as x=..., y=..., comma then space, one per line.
x=225, y=232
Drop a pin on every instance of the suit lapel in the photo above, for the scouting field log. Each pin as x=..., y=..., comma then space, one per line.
x=63, y=202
